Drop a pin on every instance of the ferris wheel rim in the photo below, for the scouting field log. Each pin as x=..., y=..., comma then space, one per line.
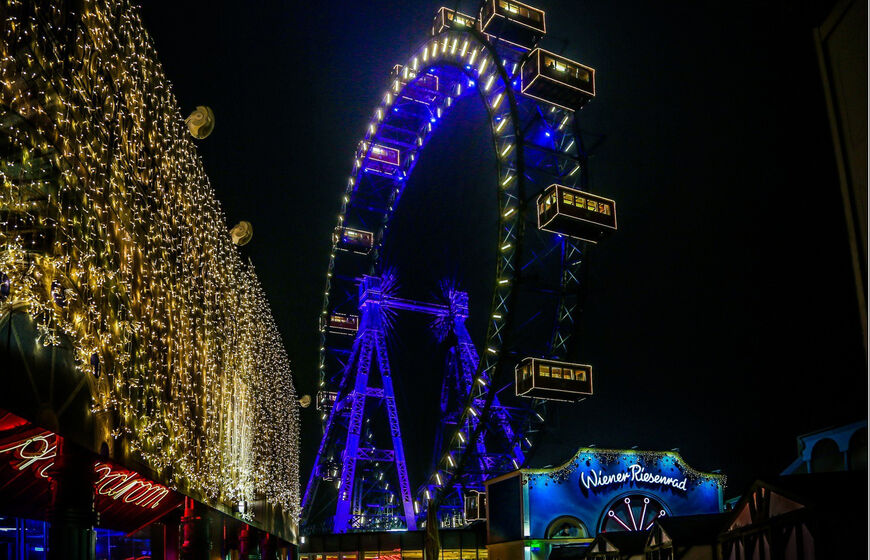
x=514, y=220
x=511, y=220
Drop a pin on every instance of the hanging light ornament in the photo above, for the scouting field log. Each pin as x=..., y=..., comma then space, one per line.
x=242, y=233
x=200, y=122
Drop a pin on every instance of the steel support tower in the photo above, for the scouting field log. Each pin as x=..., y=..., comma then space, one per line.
x=349, y=454
x=531, y=97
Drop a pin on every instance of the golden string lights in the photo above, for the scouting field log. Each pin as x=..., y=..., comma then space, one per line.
x=111, y=238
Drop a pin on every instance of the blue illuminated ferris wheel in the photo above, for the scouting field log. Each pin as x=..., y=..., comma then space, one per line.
x=360, y=479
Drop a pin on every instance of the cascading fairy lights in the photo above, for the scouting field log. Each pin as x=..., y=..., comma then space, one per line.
x=111, y=238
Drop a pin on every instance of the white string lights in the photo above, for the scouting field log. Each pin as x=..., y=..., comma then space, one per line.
x=112, y=238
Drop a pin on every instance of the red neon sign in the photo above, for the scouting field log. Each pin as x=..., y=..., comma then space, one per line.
x=39, y=452
x=129, y=486
x=32, y=450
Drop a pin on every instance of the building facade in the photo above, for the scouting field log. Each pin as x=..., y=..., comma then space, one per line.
x=799, y=517
x=534, y=513
x=146, y=388
x=843, y=448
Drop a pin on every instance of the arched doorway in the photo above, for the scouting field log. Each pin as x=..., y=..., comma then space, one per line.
x=826, y=457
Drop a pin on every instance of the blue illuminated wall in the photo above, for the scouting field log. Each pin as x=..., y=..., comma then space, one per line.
x=596, y=481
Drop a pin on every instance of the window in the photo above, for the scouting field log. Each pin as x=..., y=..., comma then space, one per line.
x=570, y=71
x=568, y=373
x=580, y=201
x=544, y=371
x=525, y=372
x=568, y=198
x=458, y=19
x=522, y=11
x=590, y=205
x=557, y=372
x=604, y=208
x=827, y=457
x=581, y=375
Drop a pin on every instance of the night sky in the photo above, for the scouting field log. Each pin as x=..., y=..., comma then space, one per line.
x=721, y=318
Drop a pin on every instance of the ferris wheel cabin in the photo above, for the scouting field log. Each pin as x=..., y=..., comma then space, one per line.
x=576, y=213
x=446, y=18
x=382, y=160
x=325, y=400
x=341, y=323
x=557, y=80
x=553, y=380
x=475, y=505
x=353, y=240
x=402, y=75
x=329, y=470
x=514, y=22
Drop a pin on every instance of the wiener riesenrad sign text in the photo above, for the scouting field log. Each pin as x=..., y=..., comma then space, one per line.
x=634, y=473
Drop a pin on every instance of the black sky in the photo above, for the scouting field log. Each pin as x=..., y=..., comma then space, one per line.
x=721, y=318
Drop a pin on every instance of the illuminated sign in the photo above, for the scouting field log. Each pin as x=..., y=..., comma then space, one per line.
x=39, y=451
x=127, y=485
x=32, y=450
x=634, y=473
x=600, y=490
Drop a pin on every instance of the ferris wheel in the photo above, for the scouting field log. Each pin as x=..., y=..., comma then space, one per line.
x=494, y=391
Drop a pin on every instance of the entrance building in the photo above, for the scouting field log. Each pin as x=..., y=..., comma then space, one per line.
x=536, y=512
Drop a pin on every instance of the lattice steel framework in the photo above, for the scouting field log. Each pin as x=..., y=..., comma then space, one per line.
x=368, y=382
x=537, y=279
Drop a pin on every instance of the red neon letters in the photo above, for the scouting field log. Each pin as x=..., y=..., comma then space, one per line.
x=119, y=484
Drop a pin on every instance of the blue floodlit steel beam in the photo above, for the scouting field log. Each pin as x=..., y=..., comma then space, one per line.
x=415, y=306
